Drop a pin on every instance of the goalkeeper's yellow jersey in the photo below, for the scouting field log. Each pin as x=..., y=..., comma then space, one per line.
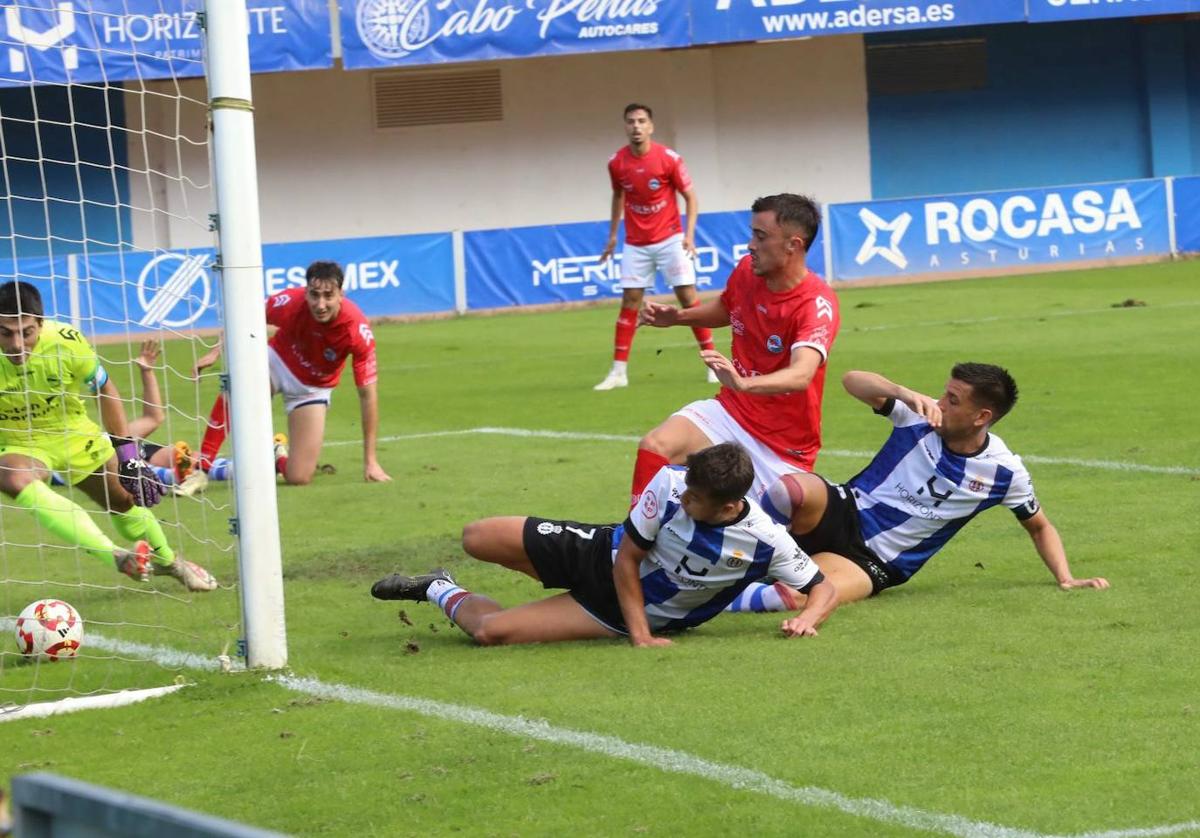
x=41, y=396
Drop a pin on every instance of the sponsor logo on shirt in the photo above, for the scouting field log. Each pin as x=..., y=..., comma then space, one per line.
x=649, y=505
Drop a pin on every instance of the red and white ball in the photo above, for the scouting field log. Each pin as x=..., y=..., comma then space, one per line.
x=49, y=629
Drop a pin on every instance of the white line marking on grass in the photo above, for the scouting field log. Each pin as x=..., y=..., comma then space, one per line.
x=1105, y=465
x=88, y=702
x=680, y=762
x=665, y=759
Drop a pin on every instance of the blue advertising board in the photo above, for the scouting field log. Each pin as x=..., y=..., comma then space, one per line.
x=560, y=264
x=959, y=233
x=57, y=41
x=380, y=33
x=1043, y=11
x=1187, y=214
x=179, y=290
x=718, y=21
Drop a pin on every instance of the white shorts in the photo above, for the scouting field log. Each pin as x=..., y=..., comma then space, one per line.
x=711, y=417
x=639, y=262
x=295, y=392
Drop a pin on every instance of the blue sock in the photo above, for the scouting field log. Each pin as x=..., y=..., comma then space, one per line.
x=166, y=476
x=221, y=469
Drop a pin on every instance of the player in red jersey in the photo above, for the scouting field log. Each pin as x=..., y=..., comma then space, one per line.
x=646, y=178
x=317, y=328
x=784, y=319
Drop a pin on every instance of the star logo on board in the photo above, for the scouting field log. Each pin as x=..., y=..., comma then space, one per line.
x=896, y=228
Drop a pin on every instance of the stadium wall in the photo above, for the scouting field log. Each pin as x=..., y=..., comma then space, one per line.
x=1074, y=102
x=326, y=172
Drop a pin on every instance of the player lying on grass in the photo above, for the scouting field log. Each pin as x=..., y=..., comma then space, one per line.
x=45, y=427
x=940, y=467
x=690, y=545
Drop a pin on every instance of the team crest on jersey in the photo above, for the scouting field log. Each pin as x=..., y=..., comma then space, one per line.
x=975, y=485
x=649, y=505
x=736, y=561
x=774, y=344
x=330, y=354
x=655, y=183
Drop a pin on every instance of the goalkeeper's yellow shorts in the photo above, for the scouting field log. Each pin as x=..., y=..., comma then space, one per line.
x=73, y=453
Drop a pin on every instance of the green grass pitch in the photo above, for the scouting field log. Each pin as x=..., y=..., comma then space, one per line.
x=977, y=690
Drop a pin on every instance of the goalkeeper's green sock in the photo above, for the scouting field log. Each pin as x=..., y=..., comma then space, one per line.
x=64, y=518
x=139, y=523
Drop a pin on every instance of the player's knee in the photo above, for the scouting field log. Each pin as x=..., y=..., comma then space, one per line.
x=656, y=442
x=473, y=538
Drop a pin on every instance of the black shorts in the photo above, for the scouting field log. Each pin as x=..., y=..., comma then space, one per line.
x=579, y=558
x=838, y=532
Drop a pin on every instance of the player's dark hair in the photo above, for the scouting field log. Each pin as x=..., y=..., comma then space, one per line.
x=635, y=106
x=793, y=211
x=991, y=386
x=18, y=298
x=722, y=473
x=324, y=272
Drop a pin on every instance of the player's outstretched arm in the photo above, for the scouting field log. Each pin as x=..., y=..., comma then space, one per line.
x=153, y=413
x=1050, y=547
x=628, y=582
x=874, y=390
x=822, y=600
x=208, y=358
x=710, y=314
x=368, y=403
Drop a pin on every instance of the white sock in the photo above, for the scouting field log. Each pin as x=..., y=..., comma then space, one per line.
x=445, y=595
x=620, y=367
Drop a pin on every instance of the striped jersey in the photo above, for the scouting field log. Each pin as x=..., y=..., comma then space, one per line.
x=915, y=495
x=693, y=570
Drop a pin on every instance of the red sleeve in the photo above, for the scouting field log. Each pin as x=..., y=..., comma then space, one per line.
x=817, y=322
x=278, y=306
x=366, y=370
x=680, y=176
x=612, y=174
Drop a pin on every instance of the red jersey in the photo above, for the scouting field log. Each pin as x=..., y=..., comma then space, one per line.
x=316, y=352
x=650, y=184
x=766, y=328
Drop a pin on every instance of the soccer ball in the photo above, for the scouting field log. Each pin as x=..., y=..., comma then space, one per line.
x=49, y=629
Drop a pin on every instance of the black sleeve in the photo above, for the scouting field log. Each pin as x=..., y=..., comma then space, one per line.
x=816, y=580
x=635, y=536
x=885, y=409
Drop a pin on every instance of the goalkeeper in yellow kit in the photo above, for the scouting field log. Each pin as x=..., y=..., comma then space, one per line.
x=44, y=428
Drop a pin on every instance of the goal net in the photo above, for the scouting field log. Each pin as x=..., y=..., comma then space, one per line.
x=108, y=208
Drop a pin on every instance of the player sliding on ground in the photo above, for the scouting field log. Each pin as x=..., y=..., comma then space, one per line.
x=44, y=427
x=940, y=468
x=317, y=328
x=691, y=544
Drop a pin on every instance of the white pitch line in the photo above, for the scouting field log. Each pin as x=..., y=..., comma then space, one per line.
x=75, y=704
x=1105, y=465
x=664, y=759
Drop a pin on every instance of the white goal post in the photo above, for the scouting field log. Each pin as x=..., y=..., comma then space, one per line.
x=239, y=262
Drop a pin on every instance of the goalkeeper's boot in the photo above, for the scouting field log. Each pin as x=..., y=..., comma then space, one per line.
x=191, y=575
x=194, y=484
x=183, y=462
x=134, y=563
x=408, y=587
x=614, y=379
x=281, y=446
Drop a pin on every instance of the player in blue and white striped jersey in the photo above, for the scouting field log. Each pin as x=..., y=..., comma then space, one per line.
x=940, y=468
x=691, y=544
